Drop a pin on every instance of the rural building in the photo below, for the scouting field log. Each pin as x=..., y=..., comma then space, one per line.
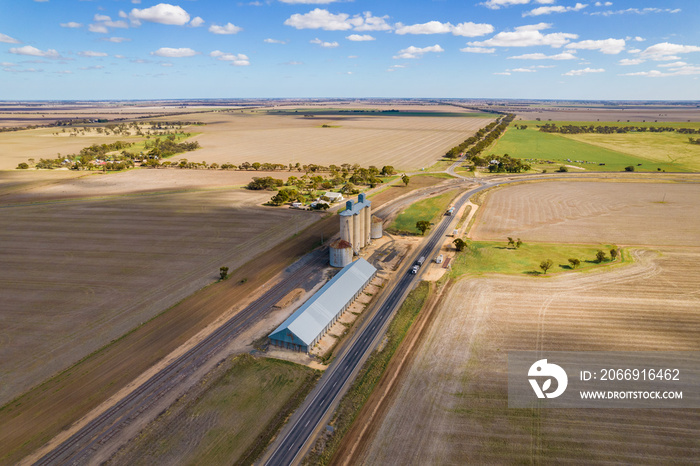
x=302, y=330
x=333, y=197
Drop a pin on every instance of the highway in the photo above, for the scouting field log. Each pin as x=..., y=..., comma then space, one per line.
x=303, y=425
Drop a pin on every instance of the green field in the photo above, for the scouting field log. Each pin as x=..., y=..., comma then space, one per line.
x=654, y=151
x=230, y=421
x=429, y=209
x=140, y=146
x=482, y=257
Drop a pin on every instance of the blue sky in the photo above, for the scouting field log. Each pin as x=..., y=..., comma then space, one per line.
x=548, y=49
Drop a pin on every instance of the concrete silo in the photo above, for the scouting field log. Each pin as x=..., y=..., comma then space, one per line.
x=346, y=223
x=377, y=227
x=356, y=236
x=341, y=253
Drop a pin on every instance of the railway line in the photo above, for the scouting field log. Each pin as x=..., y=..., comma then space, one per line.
x=78, y=448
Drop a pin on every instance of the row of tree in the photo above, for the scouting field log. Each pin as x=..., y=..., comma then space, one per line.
x=575, y=263
x=576, y=129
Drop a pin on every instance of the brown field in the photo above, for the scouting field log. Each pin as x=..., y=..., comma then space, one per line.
x=407, y=142
x=42, y=185
x=631, y=113
x=451, y=404
x=659, y=214
x=79, y=273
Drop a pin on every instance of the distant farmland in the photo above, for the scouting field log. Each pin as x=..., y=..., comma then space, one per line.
x=405, y=142
x=666, y=151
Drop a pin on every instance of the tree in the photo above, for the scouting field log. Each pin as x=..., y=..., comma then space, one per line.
x=405, y=179
x=22, y=166
x=600, y=256
x=388, y=170
x=629, y=168
x=563, y=169
x=613, y=253
x=511, y=242
x=423, y=226
x=460, y=244
x=223, y=272
x=518, y=243
x=574, y=263
x=546, y=265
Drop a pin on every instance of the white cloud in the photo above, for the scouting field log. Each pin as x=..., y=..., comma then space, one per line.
x=7, y=39
x=116, y=40
x=319, y=19
x=323, y=19
x=546, y=10
x=496, y=4
x=603, y=4
x=665, y=50
x=327, y=45
x=542, y=56
x=682, y=70
x=523, y=70
x=417, y=52
x=274, y=41
x=90, y=53
x=675, y=64
x=503, y=73
x=98, y=28
x=367, y=22
x=235, y=59
x=359, y=37
x=631, y=61
x=436, y=27
x=35, y=52
x=583, y=71
x=477, y=50
x=71, y=24
x=196, y=22
x=638, y=11
x=99, y=17
x=116, y=24
x=163, y=13
x=607, y=46
x=526, y=36
x=229, y=28
x=293, y=63
x=174, y=53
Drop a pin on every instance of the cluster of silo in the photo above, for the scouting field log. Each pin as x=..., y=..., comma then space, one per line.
x=355, y=228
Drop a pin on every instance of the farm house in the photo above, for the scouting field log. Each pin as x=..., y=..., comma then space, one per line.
x=311, y=321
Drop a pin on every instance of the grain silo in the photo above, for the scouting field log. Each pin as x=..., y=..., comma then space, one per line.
x=377, y=227
x=341, y=253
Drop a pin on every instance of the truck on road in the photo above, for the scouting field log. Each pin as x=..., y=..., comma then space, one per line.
x=417, y=265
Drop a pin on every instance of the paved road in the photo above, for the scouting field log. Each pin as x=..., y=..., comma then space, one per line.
x=299, y=431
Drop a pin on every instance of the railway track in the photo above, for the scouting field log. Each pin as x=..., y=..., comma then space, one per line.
x=79, y=447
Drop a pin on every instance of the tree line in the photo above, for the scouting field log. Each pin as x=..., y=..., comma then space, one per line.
x=575, y=129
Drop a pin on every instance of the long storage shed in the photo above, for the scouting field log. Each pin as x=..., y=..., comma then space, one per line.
x=311, y=321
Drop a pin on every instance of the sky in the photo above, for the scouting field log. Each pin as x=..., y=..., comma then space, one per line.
x=186, y=49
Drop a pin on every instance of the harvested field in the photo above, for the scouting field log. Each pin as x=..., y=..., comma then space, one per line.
x=593, y=212
x=451, y=405
x=640, y=113
x=77, y=274
x=68, y=184
x=226, y=419
x=406, y=142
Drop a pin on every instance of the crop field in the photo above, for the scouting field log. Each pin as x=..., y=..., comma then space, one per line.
x=226, y=419
x=669, y=152
x=406, y=142
x=78, y=273
x=640, y=113
x=584, y=212
x=451, y=406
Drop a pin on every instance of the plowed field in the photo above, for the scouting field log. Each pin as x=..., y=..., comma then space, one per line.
x=451, y=408
x=79, y=273
x=589, y=212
